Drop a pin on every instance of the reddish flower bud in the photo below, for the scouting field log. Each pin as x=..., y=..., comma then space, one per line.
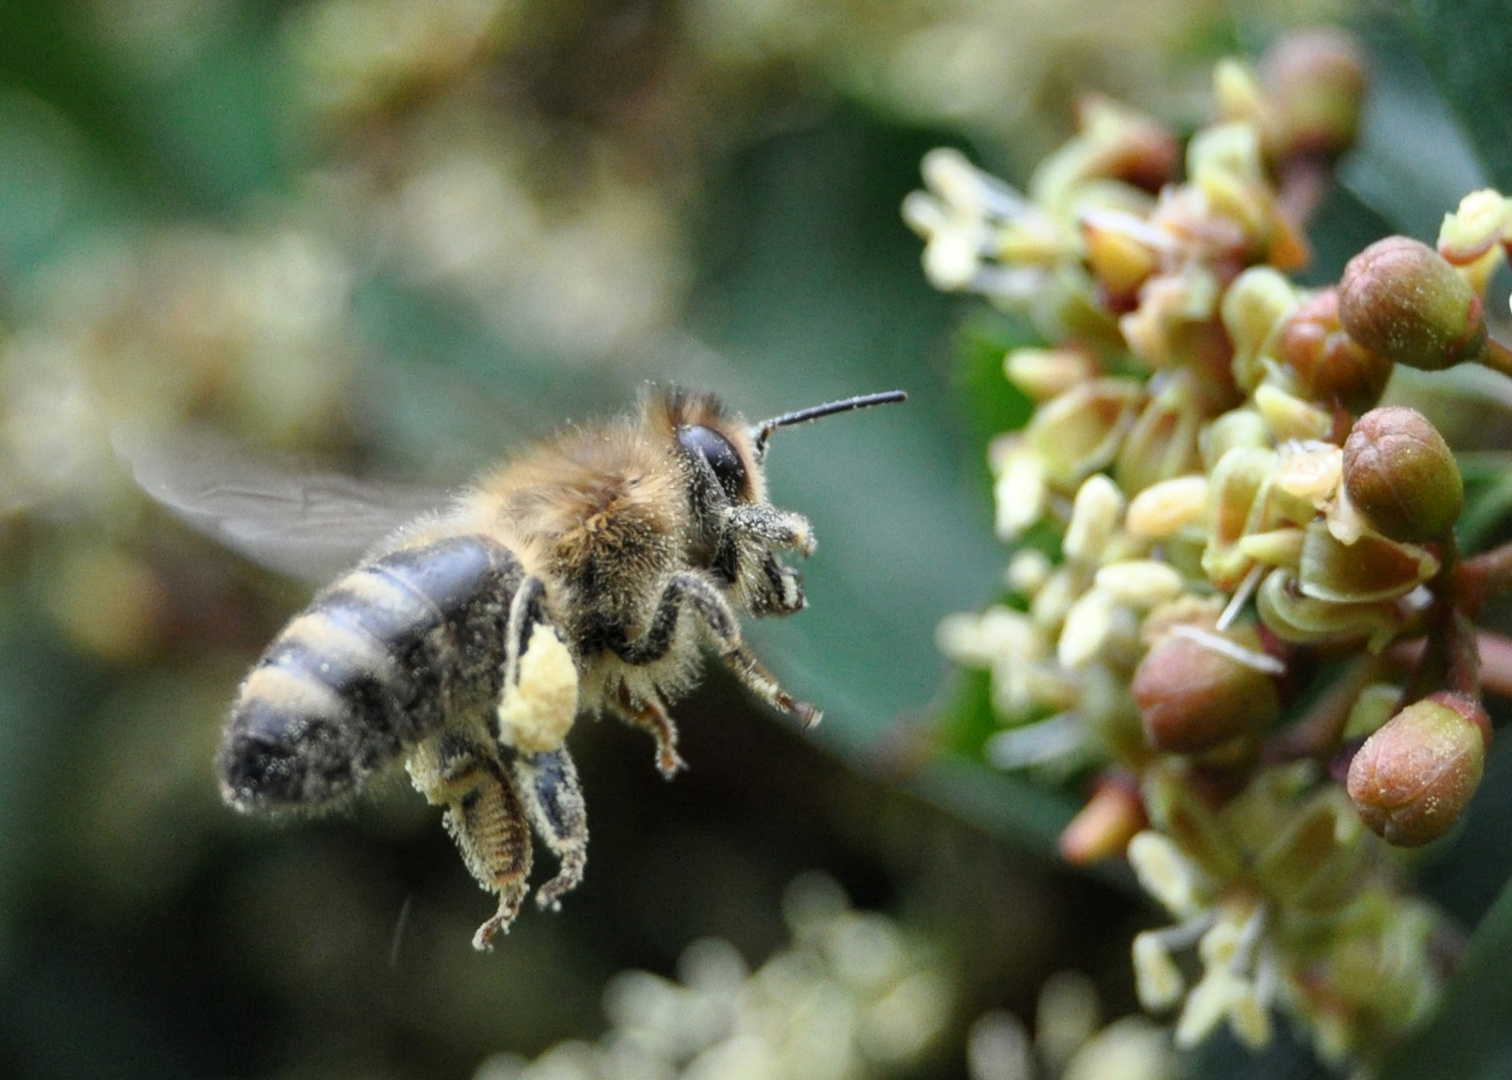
x=1327, y=363
x=1316, y=82
x=1412, y=778
x=1102, y=829
x=1126, y=145
x=1194, y=693
x=1400, y=475
x=1402, y=299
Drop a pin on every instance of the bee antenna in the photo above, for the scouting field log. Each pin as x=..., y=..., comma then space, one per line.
x=762, y=431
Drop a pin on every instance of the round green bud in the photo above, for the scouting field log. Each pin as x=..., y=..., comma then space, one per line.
x=1400, y=475
x=1402, y=299
x=1412, y=778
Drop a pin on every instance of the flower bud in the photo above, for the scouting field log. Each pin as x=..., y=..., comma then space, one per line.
x=1043, y=374
x=1104, y=826
x=1401, y=476
x=1113, y=142
x=1129, y=145
x=1020, y=490
x=1118, y=259
x=1080, y=431
x=1316, y=82
x=1254, y=305
x=1288, y=417
x=1482, y=220
x=1402, y=299
x=1327, y=363
x=1162, y=441
x=1161, y=510
x=1193, y=696
x=1412, y=778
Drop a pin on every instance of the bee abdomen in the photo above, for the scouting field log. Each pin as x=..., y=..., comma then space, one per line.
x=372, y=666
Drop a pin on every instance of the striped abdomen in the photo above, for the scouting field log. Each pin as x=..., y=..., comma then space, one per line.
x=374, y=664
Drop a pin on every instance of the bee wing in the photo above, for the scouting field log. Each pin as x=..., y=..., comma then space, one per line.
x=308, y=525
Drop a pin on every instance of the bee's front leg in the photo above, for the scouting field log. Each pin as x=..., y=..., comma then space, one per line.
x=779, y=591
x=759, y=531
x=714, y=611
x=773, y=527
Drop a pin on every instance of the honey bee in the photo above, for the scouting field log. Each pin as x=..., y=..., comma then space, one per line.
x=586, y=575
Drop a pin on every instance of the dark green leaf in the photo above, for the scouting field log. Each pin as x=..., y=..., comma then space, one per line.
x=995, y=802
x=1467, y=43
x=969, y=720
x=1471, y=1036
x=991, y=404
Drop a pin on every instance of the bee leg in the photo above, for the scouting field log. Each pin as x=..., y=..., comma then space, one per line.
x=715, y=612
x=484, y=815
x=548, y=784
x=760, y=682
x=782, y=589
x=773, y=527
x=651, y=716
x=526, y=611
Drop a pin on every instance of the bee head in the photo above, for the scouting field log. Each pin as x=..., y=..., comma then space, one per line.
x=737, y=533
x=722, y=466
x=726, y=456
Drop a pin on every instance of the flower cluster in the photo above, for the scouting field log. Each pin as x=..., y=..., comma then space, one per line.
x=853, y=997
x=1233, y=563
x=1070, y=1041
x=142, y=336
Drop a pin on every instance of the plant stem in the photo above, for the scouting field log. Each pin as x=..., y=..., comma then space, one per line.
x=1497, y=357
x=1319, y=733
x=1483, y=576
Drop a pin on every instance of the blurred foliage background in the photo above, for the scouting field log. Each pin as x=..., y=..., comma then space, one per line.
x=399, y=239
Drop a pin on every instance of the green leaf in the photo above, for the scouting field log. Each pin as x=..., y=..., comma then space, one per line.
x=1411, y=163
x=1001, y=804
x=990, y=402
x=1471, y=1035
x=1466, y=44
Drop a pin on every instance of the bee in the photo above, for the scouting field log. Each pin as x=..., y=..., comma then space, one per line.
x=585, y=576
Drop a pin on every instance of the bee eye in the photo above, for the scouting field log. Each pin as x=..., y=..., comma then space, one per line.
x=717, y=450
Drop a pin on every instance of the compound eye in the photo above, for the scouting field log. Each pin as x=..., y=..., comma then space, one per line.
x=719, y=453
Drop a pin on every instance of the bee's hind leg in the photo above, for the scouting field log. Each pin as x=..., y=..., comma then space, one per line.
x=539, y=699
x=527, y=610
x=548, y=784
x=484, y=815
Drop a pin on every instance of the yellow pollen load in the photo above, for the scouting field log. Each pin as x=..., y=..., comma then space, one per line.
x=537, y=711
